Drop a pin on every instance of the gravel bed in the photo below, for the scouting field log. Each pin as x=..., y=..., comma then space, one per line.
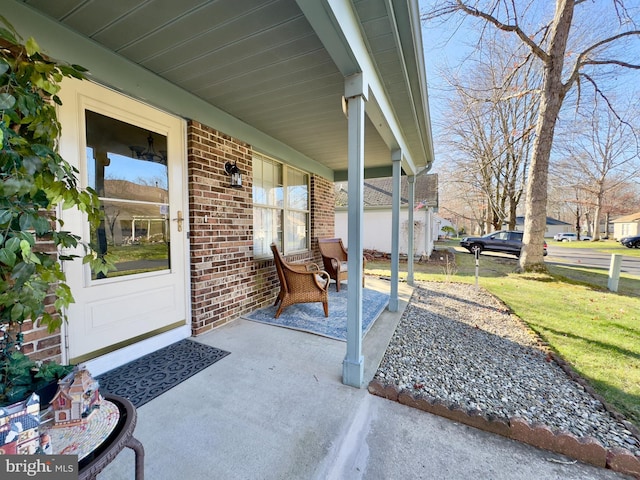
x=460, y=344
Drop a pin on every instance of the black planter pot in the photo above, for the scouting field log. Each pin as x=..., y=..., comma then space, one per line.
x=46, y=393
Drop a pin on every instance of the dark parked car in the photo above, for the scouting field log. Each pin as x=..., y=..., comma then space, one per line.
x=631, y=242
x=503, y=241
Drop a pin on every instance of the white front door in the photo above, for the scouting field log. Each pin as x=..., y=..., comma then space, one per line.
x=133, y=155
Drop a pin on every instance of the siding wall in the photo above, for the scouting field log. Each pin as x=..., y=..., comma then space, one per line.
x=625, y=229
x=377, y=224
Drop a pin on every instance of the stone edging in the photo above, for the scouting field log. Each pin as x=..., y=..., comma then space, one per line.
x=585, y=449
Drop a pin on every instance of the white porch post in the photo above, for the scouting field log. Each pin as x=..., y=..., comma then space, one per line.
x=396, y=158
x=411, y=200
x=431, y=234
x=356, y=90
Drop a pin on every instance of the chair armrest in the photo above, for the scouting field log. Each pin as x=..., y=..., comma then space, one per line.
x=335, y=263
x=298, y=279
x=325, y=276
x=306, y=267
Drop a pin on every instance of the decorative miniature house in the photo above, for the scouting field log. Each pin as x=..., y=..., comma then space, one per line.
x=76, y=399
x=19, y=427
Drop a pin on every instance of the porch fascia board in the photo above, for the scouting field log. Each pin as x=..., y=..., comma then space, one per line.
x=337, y=26
x=409, y=33
x=111, y=70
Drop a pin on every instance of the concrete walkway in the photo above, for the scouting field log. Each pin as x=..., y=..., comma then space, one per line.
x=276, y=409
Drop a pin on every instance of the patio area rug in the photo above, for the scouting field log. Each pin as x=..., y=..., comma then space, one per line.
x=309, y=317
x=147, y=377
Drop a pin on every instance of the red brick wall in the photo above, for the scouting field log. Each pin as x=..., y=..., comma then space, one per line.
x=38, y=342
x=221, y=228
x=322, y=216
x=226, y=281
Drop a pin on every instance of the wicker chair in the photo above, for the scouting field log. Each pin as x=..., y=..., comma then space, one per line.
x=334, y=258
x=300, y=283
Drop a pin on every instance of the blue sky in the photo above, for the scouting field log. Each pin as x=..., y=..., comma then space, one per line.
x=449, y=43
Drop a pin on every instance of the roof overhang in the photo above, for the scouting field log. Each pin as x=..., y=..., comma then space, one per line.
x=271, y=74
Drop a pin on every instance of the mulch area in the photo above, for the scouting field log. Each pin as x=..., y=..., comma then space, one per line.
x=437, y=257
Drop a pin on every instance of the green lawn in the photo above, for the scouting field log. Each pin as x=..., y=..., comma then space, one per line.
x=142, y=251
x=596, y=331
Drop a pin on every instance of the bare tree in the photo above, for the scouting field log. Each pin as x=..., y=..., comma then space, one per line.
x=460, y=199
x=603, y=153
x=568, y=198
x=622, y=200
x=490, y=129
x=548, y=43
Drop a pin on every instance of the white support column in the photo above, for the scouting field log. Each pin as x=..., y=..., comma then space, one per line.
x=396, y=158
x=356, y=91
x=410, y=247
x=430, y=232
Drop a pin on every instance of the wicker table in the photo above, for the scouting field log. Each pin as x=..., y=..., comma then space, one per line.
x=102, y=439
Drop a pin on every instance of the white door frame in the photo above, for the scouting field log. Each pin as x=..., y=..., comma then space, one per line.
x=76, y=97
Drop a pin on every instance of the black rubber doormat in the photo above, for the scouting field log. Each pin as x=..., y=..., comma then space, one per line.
x=147, y=377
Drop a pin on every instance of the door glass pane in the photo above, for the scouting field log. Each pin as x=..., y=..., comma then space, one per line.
x=127, y=166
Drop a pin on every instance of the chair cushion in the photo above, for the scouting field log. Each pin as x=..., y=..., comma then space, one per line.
x=343, y=266
x=321, y=280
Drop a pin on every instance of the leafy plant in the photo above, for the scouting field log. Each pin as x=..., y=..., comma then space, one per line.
x=35, y=182
x=50, y=371
x=16, y=375
x=23, y=376
x=448, y=230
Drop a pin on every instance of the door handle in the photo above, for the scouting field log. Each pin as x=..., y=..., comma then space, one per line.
x=179, y=219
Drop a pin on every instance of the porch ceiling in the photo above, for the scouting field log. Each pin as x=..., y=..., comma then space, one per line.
x=263, y=63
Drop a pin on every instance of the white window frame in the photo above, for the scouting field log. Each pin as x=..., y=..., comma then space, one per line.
x=283, y=210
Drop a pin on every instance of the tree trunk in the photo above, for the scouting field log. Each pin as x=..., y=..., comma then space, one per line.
x=596, y=218
x=553, y=93
x=578, y=225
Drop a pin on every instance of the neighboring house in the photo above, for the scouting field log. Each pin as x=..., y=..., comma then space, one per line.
x=626, y=226
x=377, y=195
x=440, y=223
x=183, y=94
x=553, y=226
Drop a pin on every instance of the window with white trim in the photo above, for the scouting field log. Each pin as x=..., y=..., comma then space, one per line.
x=280, y=207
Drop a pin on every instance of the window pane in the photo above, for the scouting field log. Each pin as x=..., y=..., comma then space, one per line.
x=296, y=234
x=127, y=166
x=273, y=184
x=136, y=234
x=281, y=207
x=297, y=190
x=111, y=155
x=267, y=229
x=259, y=195
x=267, y=186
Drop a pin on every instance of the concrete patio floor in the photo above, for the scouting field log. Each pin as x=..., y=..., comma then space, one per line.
x=276, y=408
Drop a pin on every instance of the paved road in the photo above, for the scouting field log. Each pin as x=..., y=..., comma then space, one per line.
x=590, y=258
